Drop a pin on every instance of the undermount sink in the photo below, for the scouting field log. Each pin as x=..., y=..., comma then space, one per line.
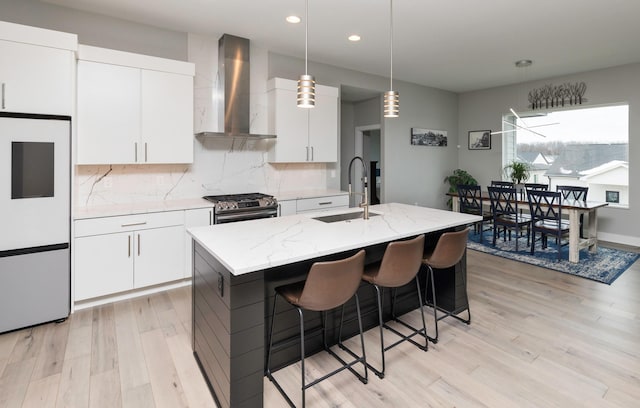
x=343, y=217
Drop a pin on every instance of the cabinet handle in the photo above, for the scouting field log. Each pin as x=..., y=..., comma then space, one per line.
x=210, y=217
x=138, y=244
x=133, y=224
x=307, y=153
x=129, y=247
x=145, y=152
x=3, y=88
x=311, y=153
x=325, y=203
x=279, y=210
x=136, y=151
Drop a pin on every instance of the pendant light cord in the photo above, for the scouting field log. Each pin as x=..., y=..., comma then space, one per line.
x=391, y=45
x=306, y=33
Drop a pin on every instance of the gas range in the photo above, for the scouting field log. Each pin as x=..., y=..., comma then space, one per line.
x=241, y=207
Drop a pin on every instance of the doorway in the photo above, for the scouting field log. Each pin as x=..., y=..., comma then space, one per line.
x=367, y=145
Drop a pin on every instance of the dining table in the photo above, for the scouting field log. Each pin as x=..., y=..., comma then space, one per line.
x=574, y=209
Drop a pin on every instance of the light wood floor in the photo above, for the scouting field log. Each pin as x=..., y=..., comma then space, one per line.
x=539, y=338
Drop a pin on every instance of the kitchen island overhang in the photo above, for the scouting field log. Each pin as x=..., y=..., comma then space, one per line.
x=236, y=267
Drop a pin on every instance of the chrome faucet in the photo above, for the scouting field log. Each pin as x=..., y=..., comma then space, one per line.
x=364, y=203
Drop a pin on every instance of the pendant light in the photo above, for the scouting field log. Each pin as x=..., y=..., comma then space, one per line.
x=391, y=97
x=307, y=83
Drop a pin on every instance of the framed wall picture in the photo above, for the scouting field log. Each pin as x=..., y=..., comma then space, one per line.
x=612, y=196
x=428, y=137
x=479, y=140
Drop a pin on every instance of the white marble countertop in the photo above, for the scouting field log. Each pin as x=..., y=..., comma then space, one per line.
x=110, y=210
x=249, y=246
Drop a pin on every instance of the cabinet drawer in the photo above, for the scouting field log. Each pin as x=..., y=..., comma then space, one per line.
x=109, y=225
x=322, y=203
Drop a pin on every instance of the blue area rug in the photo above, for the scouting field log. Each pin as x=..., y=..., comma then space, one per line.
x=604, y=266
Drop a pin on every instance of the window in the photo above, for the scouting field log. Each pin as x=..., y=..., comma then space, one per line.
x=582, y=147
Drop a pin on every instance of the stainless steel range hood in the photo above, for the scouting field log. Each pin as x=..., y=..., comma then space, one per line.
x=233, y=71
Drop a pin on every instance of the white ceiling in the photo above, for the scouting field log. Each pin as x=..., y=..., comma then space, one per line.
x=457, y=45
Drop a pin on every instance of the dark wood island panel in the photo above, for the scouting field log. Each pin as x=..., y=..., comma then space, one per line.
x=228, y=330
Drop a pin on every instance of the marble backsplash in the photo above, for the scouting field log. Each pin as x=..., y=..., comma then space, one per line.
x=221, y=166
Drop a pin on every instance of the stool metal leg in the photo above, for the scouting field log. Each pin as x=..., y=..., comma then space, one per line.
x=269, y=374
x=415, y=332
x=379, y=373
x=434, y=340
x=302, y=354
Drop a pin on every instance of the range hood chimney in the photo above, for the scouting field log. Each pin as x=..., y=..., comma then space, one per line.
x=233, y=71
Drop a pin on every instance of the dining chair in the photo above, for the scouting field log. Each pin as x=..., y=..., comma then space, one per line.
x=399, y=266
x=536, y=186
x=328, y=285
x=471, y=202
x=546, y=218
x=505, y=213
x=575, y=193
x=499, y=183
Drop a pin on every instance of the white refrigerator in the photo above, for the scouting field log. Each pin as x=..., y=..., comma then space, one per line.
x=35, y=219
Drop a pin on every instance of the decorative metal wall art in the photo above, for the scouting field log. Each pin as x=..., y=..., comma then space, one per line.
x=550, y=96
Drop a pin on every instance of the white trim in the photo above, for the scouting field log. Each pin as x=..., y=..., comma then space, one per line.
x=38, y=36
x=128, y=59
x=619, y=239
x=129, y=295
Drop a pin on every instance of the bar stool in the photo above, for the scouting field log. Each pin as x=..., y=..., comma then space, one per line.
x=328, y=285
x=448, y=252
x=400, y=264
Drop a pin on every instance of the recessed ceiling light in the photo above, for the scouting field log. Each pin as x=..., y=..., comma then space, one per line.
x=354, y=37
x=523, y=63
x=293, y=19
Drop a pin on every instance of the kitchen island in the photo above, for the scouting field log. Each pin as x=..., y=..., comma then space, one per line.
x=236, y=267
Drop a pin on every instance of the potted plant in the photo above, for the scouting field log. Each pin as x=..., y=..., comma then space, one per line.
x=458, y=176
x=518, y=172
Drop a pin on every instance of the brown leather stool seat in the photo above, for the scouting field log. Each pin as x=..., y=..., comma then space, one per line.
x=328, y=285
x=449, y=250
x=399, y=266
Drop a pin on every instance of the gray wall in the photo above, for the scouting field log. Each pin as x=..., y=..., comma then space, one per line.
x=484, y=109
x=410, y=174
x=97, y=30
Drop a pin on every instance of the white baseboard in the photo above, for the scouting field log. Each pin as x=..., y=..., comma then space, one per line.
x=619, y=239
x=129, y=295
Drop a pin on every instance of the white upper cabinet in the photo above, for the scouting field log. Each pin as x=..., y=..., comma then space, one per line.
x=167, y=117
x=133, y=108
x=303, y=135
x=37, y=70
x=108, y=113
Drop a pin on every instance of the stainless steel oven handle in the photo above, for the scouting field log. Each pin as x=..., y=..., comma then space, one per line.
x=249, y=215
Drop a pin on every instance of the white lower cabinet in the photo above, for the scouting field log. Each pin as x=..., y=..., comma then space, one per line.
x=159, y=256
x=324, y=203
x=287, y=207
x=116, y=254
x=103, y=265
x=198, y=217
x=313, y=204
